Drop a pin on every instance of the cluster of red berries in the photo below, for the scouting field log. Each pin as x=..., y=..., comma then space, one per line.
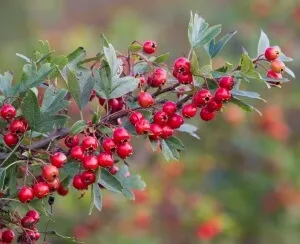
x=277, y=66
x=16, y=126
x=7, y=236
x=182, y=70
x=28, y=222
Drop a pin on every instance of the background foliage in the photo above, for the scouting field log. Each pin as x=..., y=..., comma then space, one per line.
x=244, y=170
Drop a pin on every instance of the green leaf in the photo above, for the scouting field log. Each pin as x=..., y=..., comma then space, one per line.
x=141, y=68
x=169, y=151
x=110, y=182
x=12, y=185
x=244, y=105
x=247, y=65
x=213, y=48
x=263, y=43
x=28, y=60
x=206, y=71
x=290, y=72
x=154, y=145
x=135, y=47
x=194, y=64
x=111, y=57
x=54, y=101
x=104, y=41
x=48, y=122
x=96, y=198
x=249, y=94
x=128, y=194
x=30, y=109
x=130, y=181
x=11, y=157
x=71, y=169
x=76, y=56
x=190, y=129
x=2, y=177
x=176, y=143
x=161, y=59
x=122, y=86
x=6, y=83
x=78, y=127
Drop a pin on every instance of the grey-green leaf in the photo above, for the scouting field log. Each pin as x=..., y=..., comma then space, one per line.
x=53, y=100
x=190, y=129
x=169, y=151
x=161, y=59
x=263, y=43
x=78, y=127
x=30, y=109
x=6, y=83
x=122, y=86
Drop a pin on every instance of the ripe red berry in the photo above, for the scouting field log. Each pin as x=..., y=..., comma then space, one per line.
x=72, y=141
x=33, y=214
x=135, y=117
x=101, y=101
x=277, y=66
x=121, y=135
x=93, y=95
x=175, y=121
x=155, y=132
x=8, y=236
x=89, y=143
x=182, y=65
x=214, y=105
x=8, y=111
x=109, y=145
x=58, y=159
x=53, y=185
x=88, y=177
x=158, y=78
x=25, y=123
x=27, y=222
x=78, y=183
x=50, y=172
x=41, y=190
x=142, y=126
x=17, y=127
x=222, y=95
x=274, y=75
x=189, y=110
x=124, y=150
x=149, y=47
x=77, y=153
x=202, y=97
x=226, y=82
x=184, y=78
x=169, y=108
x=272, y=53
x=90, y=162
x=62, y=191
x=26, y=194
x=167, y=131
x=10, y=139
x=115, y=104
x=145, y=99
x=160, y=118
x=113, y=170
x=37, y=235
x=105, y=160
x=206, y=115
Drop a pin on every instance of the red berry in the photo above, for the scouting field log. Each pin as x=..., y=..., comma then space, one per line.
x=142, y=126
x=37, y=236
x=167, y=131
x=89, y=143
x=272, y=53
x=113, y=170
x=50, y=172
x=182, y=65
x=226, y=82
x=17, y=127
x=8, y=111
x=58, y=159
x=77, y=153
x=206, y=115
x=72, y=141
x=222, y=95
x=135, y=117
x=78, y=183
x=175, y=121
x=109, y=145
x=53, y=185
x=202, y=97
x=93, y=95
x=33, y=214
x=158, y=78
x=124, y=150
x=8, y=236
x=149, y=47
x=88, y=177
x=169, y=108
x=274, y=75
x=277, y=66
x=155, y=131
x=10, y=139
x=189, y=110
x=26, y=194
x=25, y=123
x=41, y=190
x=115, y=104
x=160, y=118
x=185, y=78
x=62, y=191
x=121, y=135
x=145, y=99
x=214, y=105
x=105, y=160
x=27, y=222
x=101, y=101
x=90, y=162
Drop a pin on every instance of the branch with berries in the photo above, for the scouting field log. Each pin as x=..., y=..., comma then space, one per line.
x=44, y=152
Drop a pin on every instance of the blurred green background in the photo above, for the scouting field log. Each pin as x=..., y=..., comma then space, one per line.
x=241, y=178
